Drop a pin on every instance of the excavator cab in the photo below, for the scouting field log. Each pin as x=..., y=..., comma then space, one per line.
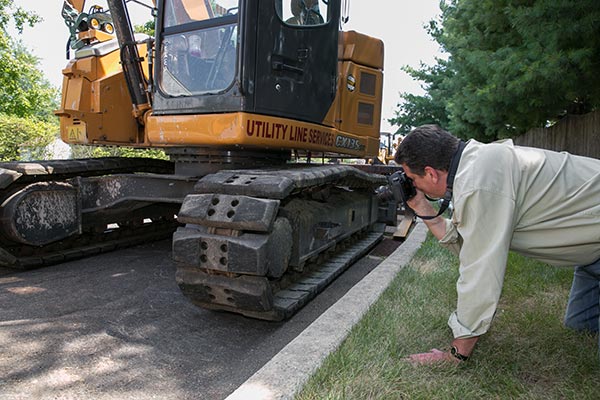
x=229, y=56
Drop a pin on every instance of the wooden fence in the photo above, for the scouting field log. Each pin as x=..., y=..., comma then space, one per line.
x=576, y=134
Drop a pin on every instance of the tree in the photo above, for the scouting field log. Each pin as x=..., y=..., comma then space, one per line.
x=27, y=99
x=24, y=91
x=513, y=64
x=147, y=28
x=24, y=138
x=417, y=110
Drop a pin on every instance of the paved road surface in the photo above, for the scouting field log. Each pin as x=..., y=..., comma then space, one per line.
x=116, y=326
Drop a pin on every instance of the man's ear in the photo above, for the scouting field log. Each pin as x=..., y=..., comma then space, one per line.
x=432, y=173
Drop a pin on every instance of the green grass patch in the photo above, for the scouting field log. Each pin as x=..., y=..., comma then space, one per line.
x=527, y=354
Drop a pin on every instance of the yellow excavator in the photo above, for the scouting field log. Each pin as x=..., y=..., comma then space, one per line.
x=241, y=95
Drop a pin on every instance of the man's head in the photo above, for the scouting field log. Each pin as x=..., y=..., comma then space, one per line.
x=427, y=145
x=295, y=6
x=298, y=5
x=426, y=153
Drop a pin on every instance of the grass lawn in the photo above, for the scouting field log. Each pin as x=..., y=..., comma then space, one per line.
x=527, y=354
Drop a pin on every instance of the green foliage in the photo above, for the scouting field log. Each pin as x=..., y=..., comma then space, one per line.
x=25, y=138
x=20, y=17
x=27, y=99
x=97, y=151
x=24, y=91
x=148, y=28
x=420, y=110
x=512, y=65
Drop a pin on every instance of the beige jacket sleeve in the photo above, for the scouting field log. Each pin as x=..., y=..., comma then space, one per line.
x=481, y=232
x=451, y=240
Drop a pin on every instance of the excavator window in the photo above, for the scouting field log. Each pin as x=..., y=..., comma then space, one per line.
x=178, y=12
x=303, y=12
x=199, y=48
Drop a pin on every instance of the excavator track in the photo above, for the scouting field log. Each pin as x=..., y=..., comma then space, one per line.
x=201, y=286
x=23, y=258
x=258, y=242
x=20, y=177
x=264, y=242
x=36, y=171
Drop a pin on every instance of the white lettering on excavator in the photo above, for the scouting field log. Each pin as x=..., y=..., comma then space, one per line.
x=348, y=143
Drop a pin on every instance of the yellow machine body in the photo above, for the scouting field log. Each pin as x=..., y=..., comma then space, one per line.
x=97, y=110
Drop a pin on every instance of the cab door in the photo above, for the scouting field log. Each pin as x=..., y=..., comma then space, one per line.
x=296, y=58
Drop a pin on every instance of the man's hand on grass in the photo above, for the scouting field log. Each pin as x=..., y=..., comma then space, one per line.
x=464, y=347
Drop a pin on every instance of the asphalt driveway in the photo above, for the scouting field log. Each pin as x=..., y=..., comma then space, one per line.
x=115, y=326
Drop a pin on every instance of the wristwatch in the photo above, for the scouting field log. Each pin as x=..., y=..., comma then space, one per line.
x=455, y=353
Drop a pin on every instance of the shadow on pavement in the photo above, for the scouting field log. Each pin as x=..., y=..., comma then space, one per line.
x=115, y=326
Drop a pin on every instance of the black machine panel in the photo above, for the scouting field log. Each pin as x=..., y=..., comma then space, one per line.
x=273, y=57
x=296, y=65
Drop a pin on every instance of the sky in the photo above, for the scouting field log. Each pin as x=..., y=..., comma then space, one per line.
x=399, y=23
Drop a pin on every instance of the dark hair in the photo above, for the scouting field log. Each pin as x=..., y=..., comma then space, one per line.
x=427, y=145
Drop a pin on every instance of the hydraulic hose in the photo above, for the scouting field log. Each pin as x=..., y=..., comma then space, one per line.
x=130, y=59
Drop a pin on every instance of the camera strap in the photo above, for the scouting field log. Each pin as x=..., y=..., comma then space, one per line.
x=449, y=181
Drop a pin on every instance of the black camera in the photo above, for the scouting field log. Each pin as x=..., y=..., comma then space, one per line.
x=400, y=188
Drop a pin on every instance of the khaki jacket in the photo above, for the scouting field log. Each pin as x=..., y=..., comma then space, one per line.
x=539, y=203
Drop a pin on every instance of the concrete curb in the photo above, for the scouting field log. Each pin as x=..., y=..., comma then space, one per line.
x=285, y=374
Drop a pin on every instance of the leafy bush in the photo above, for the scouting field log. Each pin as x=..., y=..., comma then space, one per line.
x=80, y=151
x=24, y=91
x=25, y=138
